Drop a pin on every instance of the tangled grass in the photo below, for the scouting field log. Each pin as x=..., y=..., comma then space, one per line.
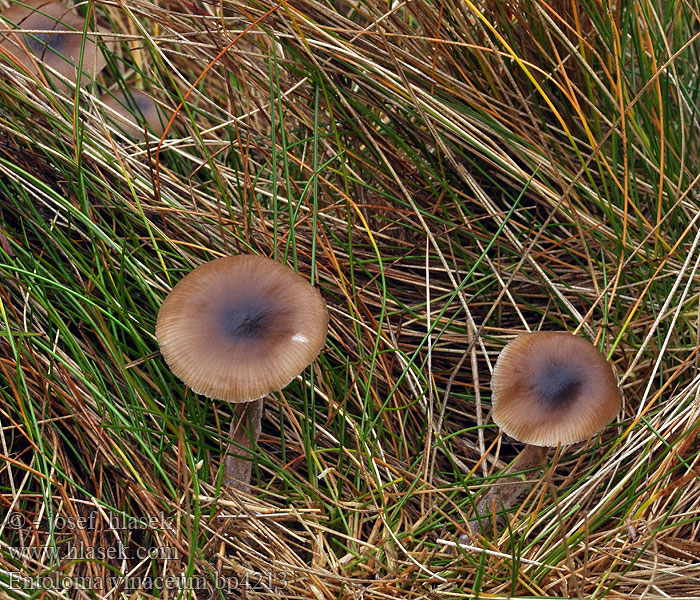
x=449, y=175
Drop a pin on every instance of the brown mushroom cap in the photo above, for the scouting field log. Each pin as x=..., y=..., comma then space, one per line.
x=240, y=327
x=56, y=42
x=129, y=110
x=553, y=388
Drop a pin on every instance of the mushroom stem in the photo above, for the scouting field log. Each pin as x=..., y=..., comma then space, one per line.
x=243, y=434
x=505, y=493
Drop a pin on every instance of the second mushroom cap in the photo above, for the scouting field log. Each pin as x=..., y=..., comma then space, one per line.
x=553, y=388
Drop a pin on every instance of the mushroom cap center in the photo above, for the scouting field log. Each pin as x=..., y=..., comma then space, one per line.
x=245, y=321
x=39, y=41
x=557, y=384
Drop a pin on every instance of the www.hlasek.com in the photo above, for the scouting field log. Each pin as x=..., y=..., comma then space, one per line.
x=253, y=581
x=82, y=552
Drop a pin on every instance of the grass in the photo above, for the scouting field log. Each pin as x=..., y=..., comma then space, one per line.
x=449, y=175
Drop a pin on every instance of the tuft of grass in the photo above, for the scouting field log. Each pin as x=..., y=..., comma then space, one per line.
x=449, y=175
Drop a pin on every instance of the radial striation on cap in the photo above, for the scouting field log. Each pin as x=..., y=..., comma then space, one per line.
x=553, y=388
x=240, y=327
x=56, y=39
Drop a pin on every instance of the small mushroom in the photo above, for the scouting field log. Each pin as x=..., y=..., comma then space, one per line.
x=55, y=42
x=549, y=388
x=236, y=329
x=130, y=109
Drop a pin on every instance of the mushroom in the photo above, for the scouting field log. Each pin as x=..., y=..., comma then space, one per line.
x=236, y=329
x=56, y=41
x=130, y=109
x=549, y=389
